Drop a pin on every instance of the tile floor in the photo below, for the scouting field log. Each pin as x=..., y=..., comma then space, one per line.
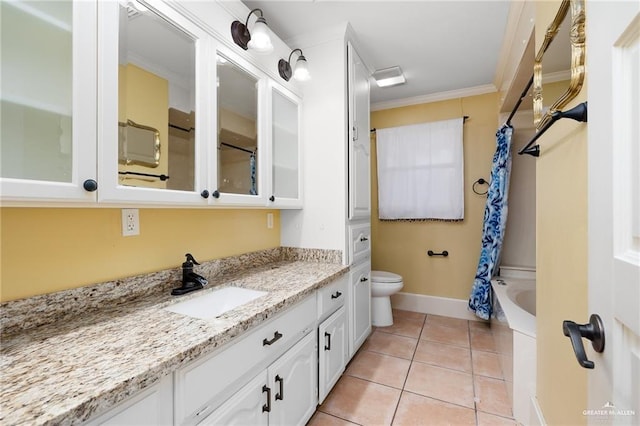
x=423, y=370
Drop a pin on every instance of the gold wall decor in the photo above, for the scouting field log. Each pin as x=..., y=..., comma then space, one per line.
x=577, y=41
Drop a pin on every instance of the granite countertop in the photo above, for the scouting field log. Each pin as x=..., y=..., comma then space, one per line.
x=76, y=366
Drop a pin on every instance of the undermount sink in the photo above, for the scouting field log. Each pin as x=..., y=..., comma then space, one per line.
x=216, y=303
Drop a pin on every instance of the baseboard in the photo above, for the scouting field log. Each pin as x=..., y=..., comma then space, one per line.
x=536, y=417
x=434, y=305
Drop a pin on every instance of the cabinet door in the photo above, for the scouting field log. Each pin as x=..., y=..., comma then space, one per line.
x=153, y=406
x=332, y=352
x=249, y=406
x=239, y=161
x=157, y=106
x=286, y=173
x=293, y=379
x=48, y=102
x=360, y=318
x=359, y=138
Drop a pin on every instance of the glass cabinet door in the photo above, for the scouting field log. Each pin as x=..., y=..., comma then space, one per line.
x=285, y=146
x=48, y=103
x=239, y=161
x=157, y=102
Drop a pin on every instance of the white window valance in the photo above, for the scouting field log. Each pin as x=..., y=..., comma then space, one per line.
x=420, y=171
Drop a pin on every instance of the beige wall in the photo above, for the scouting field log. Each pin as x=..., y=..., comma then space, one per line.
x=401, y=247
x=561, y=256
x=48, y=250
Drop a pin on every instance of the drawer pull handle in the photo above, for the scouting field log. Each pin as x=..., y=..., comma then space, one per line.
x=336, y=295
x=327, y=347
x=364, y=279
x=267, y=407
x=280, y=395
x=276, y=336
x=363, y=239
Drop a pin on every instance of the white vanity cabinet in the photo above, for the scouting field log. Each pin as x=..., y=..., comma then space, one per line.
x=48, y=101
x=205, y=384
x=360, y=304
x=153, y=406
x=333, y=351
x=283, y=394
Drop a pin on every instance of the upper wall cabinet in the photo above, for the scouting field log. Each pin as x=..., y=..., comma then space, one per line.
x=153, y=135
x=241, y=141
x=359, y=138
x=286, y=171
x=48, y=109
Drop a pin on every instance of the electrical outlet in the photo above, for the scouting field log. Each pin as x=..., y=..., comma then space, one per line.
x=130, y=222
x=269, y=220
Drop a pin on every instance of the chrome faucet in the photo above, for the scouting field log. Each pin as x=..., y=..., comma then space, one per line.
x=190, y=280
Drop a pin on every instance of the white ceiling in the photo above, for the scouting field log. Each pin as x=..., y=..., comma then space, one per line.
x=440, y=45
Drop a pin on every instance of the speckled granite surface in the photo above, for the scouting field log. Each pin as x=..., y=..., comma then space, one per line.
x=68, y=356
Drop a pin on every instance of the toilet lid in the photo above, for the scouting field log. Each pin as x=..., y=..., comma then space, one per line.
x=385, y=277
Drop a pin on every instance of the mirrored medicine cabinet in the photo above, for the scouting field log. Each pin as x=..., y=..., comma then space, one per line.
x=147, y=105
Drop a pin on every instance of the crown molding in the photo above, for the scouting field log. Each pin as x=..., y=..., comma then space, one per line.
x=434, y=97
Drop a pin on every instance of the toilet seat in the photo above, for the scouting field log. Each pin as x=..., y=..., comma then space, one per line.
x=385, y=277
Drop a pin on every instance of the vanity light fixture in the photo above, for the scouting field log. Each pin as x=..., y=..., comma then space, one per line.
x=301, y=70
x=388, y=77
x=260, y=41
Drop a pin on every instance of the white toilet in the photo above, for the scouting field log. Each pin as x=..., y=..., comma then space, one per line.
x=383, y=285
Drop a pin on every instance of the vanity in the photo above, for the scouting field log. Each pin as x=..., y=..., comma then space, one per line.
x=132, y=358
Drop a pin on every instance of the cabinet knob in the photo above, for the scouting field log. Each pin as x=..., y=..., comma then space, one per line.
x=272, y=198
x=204, y=194
x=215, y=194
x=90, y=185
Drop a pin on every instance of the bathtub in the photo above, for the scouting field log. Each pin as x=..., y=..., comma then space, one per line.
x=514, y=331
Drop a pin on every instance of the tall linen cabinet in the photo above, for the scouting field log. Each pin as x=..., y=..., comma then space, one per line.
x=336, y=163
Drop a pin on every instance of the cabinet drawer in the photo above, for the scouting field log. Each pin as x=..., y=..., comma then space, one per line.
x=199, y=386
x=332, y=296
x=359, y=242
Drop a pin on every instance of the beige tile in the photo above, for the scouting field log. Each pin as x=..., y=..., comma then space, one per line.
x=482, y=341
x=419, y=410
x=391, y=344
x=379, y=368
x=323, y=419
x=480, y=325
x=361, y=401
x=486, y=364
x=442, y=355
x=443, y=334
x=491, y=396
x=485, y=419
x=416, y=316
x=404, y=327
x=441, y=383
x=447, y=321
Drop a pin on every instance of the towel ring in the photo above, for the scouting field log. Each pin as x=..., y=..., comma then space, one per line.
x=480, y=181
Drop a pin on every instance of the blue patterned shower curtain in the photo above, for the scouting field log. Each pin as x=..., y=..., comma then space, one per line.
x=495, y=221
x=252, y=171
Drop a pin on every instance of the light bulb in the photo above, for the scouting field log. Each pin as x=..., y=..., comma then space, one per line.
x=301, y=71
x=260, y=39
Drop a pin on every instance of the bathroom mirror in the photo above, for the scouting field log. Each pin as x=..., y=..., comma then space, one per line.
x=156, y=100
x=562, y=52
x=237, y=129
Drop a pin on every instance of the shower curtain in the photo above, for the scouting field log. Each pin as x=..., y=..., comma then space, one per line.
x=495, y=221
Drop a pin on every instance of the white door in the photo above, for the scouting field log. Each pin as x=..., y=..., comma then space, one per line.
x=613, y=40
x=359, y=138
x=332, y=352
x=293, y=379
x=249, y=406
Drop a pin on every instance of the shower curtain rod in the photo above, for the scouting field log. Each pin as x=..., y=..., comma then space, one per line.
x=522, y=96
x=239, y=148
x=464, y=120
